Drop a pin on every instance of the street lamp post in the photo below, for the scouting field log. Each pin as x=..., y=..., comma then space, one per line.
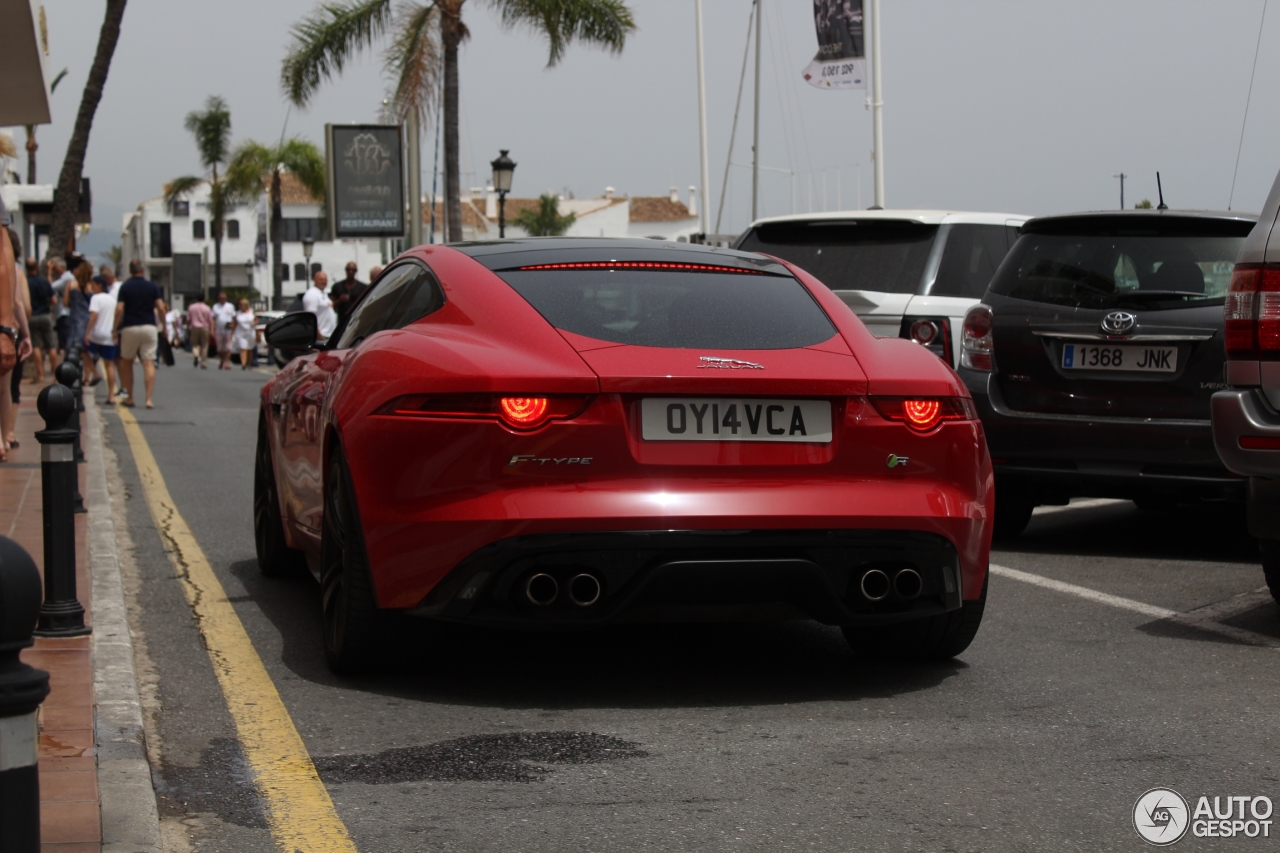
x=503, y=168
x=307, y=246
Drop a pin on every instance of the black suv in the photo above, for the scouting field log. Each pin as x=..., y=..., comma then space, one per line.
x=1093, y=356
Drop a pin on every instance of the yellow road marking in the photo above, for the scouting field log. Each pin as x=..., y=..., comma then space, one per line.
x=299, y=809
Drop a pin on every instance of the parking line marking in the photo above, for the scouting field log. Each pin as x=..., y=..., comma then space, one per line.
x=1203, y=618
x=299, y=809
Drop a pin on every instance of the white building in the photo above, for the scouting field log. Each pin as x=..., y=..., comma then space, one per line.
x=176, y=244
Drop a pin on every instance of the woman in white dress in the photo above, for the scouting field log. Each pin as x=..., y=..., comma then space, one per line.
x=245, y=336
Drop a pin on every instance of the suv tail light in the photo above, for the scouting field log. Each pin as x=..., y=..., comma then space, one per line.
x=522, y=413
x=932, y=333
x=924, y=413
x=1251, y=312
x=976, y=344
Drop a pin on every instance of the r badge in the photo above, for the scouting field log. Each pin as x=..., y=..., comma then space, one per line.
x=896, y=461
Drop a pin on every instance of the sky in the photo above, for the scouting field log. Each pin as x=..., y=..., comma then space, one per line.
x=995, y=105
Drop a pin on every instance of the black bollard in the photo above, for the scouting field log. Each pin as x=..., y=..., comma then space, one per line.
x=61, y=615
x=68, y=375
x=22, y=689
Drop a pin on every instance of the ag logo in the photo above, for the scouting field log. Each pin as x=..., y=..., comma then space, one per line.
x=1161, y=816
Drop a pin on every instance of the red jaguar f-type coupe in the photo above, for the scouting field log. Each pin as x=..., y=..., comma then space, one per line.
x=563, y=433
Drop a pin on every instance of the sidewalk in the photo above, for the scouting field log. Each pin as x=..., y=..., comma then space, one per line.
x=72, y=737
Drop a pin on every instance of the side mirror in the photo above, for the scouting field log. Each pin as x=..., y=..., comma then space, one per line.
x=293, y=331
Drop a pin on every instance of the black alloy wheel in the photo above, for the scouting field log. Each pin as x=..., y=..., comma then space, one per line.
x=275, y=558
x=349, y=609
x=1270, y=549
x=938, y=637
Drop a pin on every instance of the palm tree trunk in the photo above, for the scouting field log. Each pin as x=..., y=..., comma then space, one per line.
x=215, y=207
x=31, y=154
x=66, y=198
x=277, y=244
x=450, y=35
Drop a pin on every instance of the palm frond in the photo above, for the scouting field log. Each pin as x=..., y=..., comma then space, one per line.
x=304, y=160
x=414, y=60
x=603, y=23
x=179, y=187
x=326, y=40
x=212, y=131
x=247, y=166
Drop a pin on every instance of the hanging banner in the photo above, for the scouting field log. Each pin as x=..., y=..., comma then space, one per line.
x=365, y=187
x=841, y=62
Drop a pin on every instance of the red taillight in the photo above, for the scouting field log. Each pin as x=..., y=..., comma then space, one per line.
x=923, y=332
x=517, y=412
x=922, y=414
x=977, y=344
x=524, y=412
x=1251, y=312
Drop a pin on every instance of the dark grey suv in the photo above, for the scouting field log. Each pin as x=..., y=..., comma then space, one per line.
x=1093, y=357
x=1246, y=418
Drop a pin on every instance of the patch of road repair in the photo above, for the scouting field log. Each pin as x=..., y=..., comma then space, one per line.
x=1212, y=618
x=509, y=757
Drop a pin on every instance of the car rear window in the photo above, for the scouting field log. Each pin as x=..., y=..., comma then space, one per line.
x=1101, y=271
x=687, y=310
x=885, y=256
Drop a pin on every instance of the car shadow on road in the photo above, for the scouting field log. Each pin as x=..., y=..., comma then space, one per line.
x=1212, y=532
x=634, y=666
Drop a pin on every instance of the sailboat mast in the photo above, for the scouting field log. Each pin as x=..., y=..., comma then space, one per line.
x=755, y=133
x=877, y=123
x=704, y=217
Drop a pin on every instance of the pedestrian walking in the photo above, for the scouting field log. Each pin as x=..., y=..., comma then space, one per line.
x=22, y=293
x=61, y=277
x=98, y=338
x=224, y=321
x=317, y=302
x=173, y=327
x=76, y=297
x=199, y=322
x=108, y=274
x=14, y=334
x=374, y=272
x=43, y=302
x=245, y=335
x=137, y=308
x=344, y=294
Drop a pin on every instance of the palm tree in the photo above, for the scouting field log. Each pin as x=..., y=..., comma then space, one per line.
x=252, y=161
x=424, y=48
x=212, y=130
x=546, y=221
x=66, y=197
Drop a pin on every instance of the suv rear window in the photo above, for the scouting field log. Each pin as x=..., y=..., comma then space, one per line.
x=1150, y=271
x=686, y=310
x=886, y=256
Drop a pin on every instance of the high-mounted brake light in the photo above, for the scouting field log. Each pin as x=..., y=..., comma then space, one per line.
x=521, y=413
x=641, y=265
x=1251, y=312
x=977, y=345
x=923, y=414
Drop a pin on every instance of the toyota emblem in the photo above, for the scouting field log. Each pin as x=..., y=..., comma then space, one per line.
x=1118, y=323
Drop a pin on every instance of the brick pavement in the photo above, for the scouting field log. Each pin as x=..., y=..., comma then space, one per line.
x=69, y=803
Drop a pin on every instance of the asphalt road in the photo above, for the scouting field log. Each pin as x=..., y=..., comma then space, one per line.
x=1041, y=737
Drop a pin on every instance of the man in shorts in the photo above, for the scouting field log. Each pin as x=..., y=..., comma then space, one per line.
x=43, y=341
x=98, y=340
x=137, y=307
x=224, y=317
x=199, y=322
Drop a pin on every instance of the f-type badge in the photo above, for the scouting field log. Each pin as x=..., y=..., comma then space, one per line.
x=727, y=363
x=1118, y=322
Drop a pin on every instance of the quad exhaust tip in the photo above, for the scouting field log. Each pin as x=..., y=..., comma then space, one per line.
x=584, y=589
x=875, y=585
x=541, y=589
x=907, y=583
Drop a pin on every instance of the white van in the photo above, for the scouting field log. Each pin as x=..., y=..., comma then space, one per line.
x=906, y=273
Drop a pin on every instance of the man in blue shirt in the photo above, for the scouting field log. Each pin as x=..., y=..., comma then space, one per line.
x=41, y=320
x=138, y=304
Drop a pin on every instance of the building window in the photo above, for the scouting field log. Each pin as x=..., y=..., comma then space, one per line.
x=233, y=229
x=284, y=272
x=315, y=268
x=297, y=230
x=161, y=245
x=300, y=272
x=197, y=229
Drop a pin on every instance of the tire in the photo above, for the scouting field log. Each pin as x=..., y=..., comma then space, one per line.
x=275, y=558
x=1013, y=514
x=349, y=611
x=938, y=637
x=1270, y=549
